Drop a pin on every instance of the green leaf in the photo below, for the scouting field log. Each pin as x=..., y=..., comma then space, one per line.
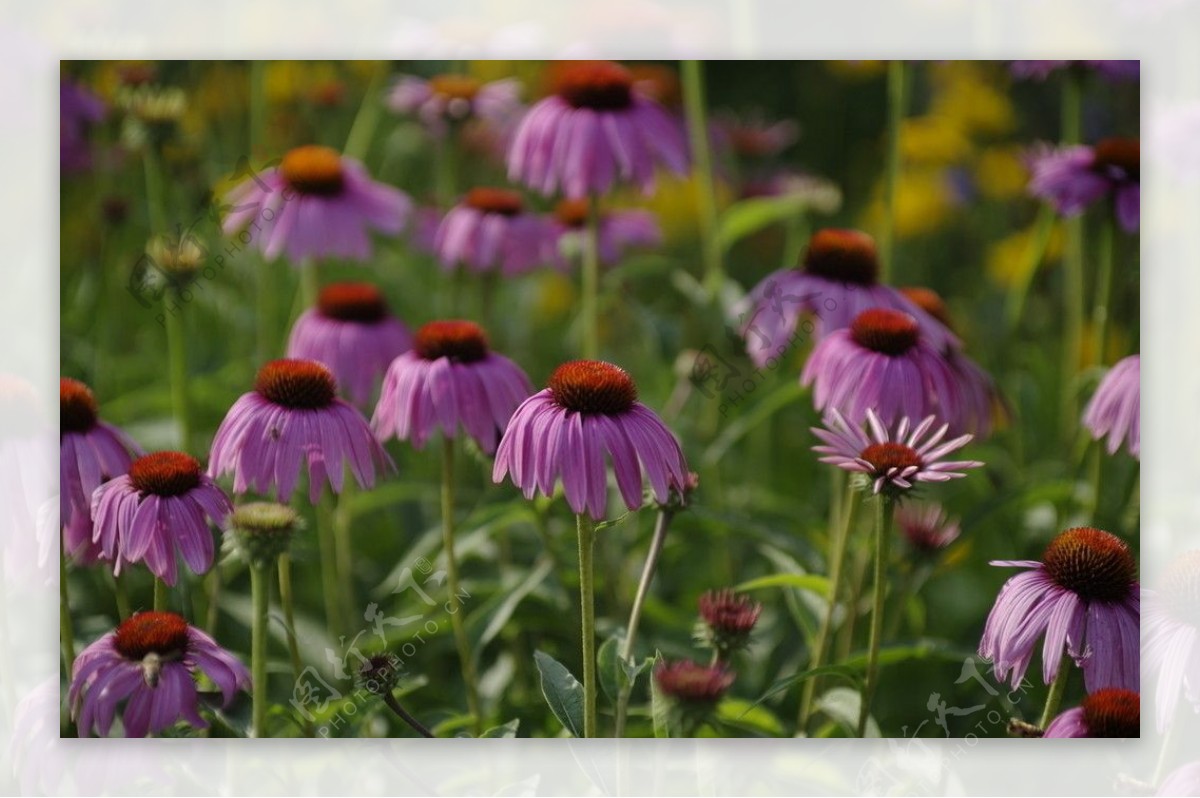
x=609, y=667
x=562, y=691
x=748, y=216
x=508, y=606
x=815, y=583
x=778, y=399
x=840, y=671
x=843, y=704
x=660, y=706
x=750, y=717
x=507, y=730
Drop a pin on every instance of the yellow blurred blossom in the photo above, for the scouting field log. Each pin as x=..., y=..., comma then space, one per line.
x=289, y=81
x=1009, y=261
x=924, y=202
x=675, y=203
x=554, y=297
x=965, y=93
x=933, y=140
x=857, y=69
x=1000, y=173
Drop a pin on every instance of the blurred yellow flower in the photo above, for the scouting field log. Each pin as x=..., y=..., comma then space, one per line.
x=934, y=140
x=857, y=69
x=974, y=101
x=1009, y=261
x=675, y=203
x=1000, y=172
x=554, y=296
x=1117, y=344
x=288, y=81
x=924, y=202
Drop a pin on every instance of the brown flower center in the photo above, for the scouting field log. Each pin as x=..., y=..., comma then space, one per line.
x=847, y=256
x=1118, y=153
x=461, y=341
x=494, y=200
x=885, y=456
x=165, y=473
x=592, y=386
x=598, y=85
x=298, y=384
x=76, y=406
x=889, y=332
x=572, y=212
x=1091, y=563
x=659, y=83
x=314, y=170
x=455, y=87
x=929, y=301
x=162, y=633
x=361, y=302
x=1113, y=712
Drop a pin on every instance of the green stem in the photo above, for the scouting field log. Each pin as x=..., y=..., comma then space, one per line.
x=587, y=536
x=289, y=619
x=456, y=617
x=1039, y=242
x=445, y=170
x=260, y=589
x=160, y=595
x=264, y=269
x=155, y=207
x=895, y=120
x=884, y=510
x=692, y=76
x=841, y=536
x=258, y=108
x=66, y=629
x=344, y=553
x=310, y=284
x=362, y=129
x=121, y=596
x=334, y=616
x=1058, y=689
x=661, y=525
x=1104, y=279
x=177, y=363
x=405, y=715
x=910, y=585
x=1072, y=266
x=591, y=281
x=213, y=587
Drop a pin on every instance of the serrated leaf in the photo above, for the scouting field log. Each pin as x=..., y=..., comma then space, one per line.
x=562, y=691
x=503, y=731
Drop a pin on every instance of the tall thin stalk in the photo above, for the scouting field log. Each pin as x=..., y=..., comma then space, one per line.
x=1058, y=689
x=884, y=510
x=1104, y=279
x=1072, y=110
x=289, y=619
x=590, y=281
x=661, y=524
x=895, y=120
x=160, y=595
x=587, y=538
x=457, y=623
x=334, y=613
x=260, y=591
x=841, y=535
x=66, y=628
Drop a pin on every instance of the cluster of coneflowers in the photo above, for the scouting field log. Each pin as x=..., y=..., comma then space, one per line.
x=898, y=393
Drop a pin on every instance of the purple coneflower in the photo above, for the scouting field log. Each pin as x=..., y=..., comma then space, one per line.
x=1115, y=409
x=1171, y=639
x=594, y=130
x=158, y=507
x=1109, y=70
x=444, y=100
x=1084, y=596
x=350, y=331
x=588, y=411
x=618, y=230
x=293, y=415
x=91, y=452
x=693, y=684
x=450, y=379
x=490, y=230
x=883, y=362
x=727, y=619
x=1110, y=712
x=78, y=110
x=836, y=281
x=926, y=527
x=892, y=462
x=1072, y=178
x=149, y=662
x=315, y=204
